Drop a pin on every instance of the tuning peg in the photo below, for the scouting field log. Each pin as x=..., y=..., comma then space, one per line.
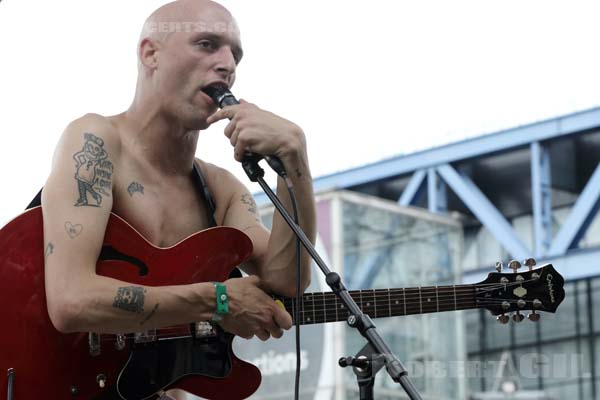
x=535, y=317
x=503, y=319
x=518, y=317
x=499, y=266
x=530, y=262
x=514, y=265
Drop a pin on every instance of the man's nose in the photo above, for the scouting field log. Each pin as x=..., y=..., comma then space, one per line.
x=225, y=65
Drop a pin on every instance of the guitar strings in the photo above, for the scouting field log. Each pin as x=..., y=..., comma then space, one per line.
x=457, y=296
x=183, y=331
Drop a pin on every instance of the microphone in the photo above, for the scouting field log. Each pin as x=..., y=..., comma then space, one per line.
x=223, y=97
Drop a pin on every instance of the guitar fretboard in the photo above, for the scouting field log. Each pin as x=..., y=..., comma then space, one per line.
x=380, y=303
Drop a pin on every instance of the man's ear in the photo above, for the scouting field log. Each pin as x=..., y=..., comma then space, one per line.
x=148, y=53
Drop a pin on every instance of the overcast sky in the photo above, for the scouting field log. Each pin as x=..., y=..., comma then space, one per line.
x=365, y=80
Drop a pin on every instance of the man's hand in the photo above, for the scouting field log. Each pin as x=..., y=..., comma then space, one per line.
x=252, y=311
x=258, y=131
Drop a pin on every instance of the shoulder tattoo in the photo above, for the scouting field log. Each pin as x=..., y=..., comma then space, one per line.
x=93, y=171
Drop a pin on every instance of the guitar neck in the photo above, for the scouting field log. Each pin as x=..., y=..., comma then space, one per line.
x=380, y=303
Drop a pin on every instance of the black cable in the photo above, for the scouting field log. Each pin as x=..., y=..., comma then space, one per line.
x=290, y=188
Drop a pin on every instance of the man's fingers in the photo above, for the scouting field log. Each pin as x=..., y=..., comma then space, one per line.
x=227, y=112
x=263, y=335
x=282, y=318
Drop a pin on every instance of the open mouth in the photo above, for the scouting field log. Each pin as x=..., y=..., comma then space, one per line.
x=215, y=90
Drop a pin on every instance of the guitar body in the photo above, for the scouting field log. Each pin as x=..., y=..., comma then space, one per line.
x=54, y=366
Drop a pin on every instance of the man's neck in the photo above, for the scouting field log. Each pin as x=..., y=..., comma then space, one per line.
x=161, y=141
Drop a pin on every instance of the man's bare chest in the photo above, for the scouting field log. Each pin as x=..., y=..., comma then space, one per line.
x=163, y=212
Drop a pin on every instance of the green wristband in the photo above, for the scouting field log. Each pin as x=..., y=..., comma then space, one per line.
x=222, y=302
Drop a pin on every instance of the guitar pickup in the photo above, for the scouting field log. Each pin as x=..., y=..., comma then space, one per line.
x=205, y=330
x=94, y=344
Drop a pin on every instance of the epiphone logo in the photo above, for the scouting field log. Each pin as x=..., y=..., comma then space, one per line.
x=549, y=278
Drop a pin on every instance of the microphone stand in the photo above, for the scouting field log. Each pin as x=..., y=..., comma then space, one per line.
x=376, y=353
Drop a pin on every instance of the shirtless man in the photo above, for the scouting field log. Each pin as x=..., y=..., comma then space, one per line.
x=138, y=164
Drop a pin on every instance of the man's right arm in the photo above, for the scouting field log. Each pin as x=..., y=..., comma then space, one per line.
x=76, y=205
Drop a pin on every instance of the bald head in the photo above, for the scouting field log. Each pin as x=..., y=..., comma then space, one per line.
x=184, y=46
x=187, y=16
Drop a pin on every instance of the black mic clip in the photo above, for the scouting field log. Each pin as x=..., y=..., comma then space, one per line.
x=251, y=167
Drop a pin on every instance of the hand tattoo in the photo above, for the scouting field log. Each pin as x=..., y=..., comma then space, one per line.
x=73, y=230
x=150, y=315
x=49, y=250
x=130, y=298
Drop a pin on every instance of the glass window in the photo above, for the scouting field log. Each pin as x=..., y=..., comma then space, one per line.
x=562, y=323
x=595, y=303
x=497, y=335
x=473, y=330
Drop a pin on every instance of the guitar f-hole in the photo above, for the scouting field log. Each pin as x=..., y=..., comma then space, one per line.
x=11, y=383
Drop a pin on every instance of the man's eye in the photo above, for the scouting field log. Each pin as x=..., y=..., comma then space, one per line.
x=207, y=44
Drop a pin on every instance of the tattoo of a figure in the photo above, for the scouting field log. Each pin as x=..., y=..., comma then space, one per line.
x=248, y=200
x=150, y=315
x=298, y=173
x=73, y=230
x=130, y=298
x=93, y=171
x=135, y=187
x=49, y=250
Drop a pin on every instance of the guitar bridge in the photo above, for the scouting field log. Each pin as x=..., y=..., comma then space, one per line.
x=148, y=336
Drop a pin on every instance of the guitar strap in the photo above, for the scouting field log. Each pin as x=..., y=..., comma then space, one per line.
x=205, y=192
x=198, y=179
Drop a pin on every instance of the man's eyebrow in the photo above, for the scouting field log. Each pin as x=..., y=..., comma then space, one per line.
x=235, y=47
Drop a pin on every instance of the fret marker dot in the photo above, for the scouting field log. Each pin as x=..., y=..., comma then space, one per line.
x=308, y=319
x=396, y=302
x=368, y=304
x=429, y=300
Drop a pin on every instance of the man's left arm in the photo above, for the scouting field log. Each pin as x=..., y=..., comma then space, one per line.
x=274, y=258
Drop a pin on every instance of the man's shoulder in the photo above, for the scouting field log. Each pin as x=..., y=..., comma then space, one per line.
x=219, y=178
x=95, y=127
x=95, y=122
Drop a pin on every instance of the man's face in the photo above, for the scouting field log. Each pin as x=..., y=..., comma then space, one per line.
x=201, y=51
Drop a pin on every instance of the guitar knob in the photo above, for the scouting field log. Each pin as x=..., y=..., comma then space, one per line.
x=518, y=317
x=514, y=265
x=530, y=262
x=499, y=266
x=503, y=319
x=535, y=317
x=101, y=379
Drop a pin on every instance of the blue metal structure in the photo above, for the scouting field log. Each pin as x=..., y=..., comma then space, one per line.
x=491, y=181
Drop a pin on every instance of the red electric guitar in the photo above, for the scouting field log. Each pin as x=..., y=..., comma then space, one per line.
x=38, y=362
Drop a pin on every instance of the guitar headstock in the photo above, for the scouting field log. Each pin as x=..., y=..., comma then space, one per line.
x=536, y=289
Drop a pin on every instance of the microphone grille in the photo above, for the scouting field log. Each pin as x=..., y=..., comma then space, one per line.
x=217, y=92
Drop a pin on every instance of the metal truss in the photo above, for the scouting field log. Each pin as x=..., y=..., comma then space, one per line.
x=434, y=171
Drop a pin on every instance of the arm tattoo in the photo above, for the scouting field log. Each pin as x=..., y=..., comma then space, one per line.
x=150, y=315
x=73, y=230
x=298, y=173
x=135, y=187
x=248, y=200
x=49, y=250
x=130, y=298
x=93, y=171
